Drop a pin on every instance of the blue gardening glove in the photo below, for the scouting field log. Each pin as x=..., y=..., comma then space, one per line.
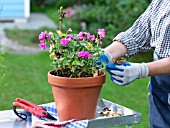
x=127, y=72
x=107, y=57
x=103, y=58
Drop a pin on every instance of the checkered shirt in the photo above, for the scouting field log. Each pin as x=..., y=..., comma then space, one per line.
x=151, y=29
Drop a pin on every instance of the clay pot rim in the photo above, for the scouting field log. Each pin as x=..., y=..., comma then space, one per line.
x=61, y=77
x=66, y=82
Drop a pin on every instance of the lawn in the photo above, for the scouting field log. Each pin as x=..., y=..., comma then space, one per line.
x=26, y=77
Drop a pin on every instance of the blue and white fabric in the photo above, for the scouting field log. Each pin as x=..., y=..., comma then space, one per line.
x=50, y=107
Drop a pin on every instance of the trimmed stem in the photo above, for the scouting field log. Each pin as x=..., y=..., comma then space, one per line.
x=60, y=24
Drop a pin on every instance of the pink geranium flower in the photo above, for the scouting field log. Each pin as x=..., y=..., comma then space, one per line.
x=42, y=45
x=64, y=42
x=101, y=33
x=92, y=37
x=42, y=36
x=84, y=54
x=70, y=37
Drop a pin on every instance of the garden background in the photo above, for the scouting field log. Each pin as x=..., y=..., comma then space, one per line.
x=25, y=75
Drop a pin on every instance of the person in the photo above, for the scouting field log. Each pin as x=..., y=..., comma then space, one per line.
x=151, y=29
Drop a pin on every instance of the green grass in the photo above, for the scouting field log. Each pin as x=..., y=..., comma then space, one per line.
x=26, y=77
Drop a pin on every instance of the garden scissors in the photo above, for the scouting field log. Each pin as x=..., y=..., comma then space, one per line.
x=34, y=109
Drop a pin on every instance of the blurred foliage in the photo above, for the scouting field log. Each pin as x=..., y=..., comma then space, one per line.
x=2, y=75
x=112, y=15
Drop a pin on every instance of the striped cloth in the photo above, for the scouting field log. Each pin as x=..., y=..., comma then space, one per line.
x=50, y=107
x=151, y=29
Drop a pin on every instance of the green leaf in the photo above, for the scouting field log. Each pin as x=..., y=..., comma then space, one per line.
x=70, y=56
x=55, y=35
x=83, y=44
x=77, y=63
x=58, y=45
x=73, y=69
x=65, y=62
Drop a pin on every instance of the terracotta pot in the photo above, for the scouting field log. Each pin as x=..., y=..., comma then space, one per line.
x=76, y=98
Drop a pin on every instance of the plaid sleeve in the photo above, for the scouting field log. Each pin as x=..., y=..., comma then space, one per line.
x=137, y=38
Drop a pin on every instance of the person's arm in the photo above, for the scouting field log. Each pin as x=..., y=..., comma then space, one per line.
x=113, y=51
x=116, y=49
x=159, y=67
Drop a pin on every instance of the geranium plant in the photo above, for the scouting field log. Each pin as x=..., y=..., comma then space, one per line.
x=74, y=55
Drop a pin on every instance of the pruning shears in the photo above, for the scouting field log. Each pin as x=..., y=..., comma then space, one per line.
x=34, y=109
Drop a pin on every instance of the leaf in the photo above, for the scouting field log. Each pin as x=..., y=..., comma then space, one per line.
x=65, y=62
x=73, y=69
x=77, y=63
x=70, y=56
x=58, y=45
x=83, y=44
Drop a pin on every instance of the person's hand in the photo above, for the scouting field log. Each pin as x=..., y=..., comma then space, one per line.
x=126, y=72
x=103, y=58
x=106, y=58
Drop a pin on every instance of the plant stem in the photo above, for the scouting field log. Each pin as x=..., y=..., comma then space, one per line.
x=60, y=24
x=61, y=15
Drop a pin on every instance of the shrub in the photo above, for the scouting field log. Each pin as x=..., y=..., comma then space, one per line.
x=113, y=15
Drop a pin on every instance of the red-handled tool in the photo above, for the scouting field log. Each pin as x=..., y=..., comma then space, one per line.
x=34, y=109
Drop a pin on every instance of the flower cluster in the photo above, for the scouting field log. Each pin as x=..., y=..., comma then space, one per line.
x=42, y=38
x=84, y=54
x=74, y=55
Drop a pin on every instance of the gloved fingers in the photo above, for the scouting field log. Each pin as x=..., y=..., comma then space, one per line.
x=126, y=63
x=116, y=81
x=120, y=67
x=111, y=70
x=117, y=72
x=111, y=65
x=118, y=78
